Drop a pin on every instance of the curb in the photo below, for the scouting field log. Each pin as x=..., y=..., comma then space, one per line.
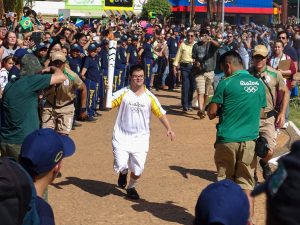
x=295, y=128
x=297, y=131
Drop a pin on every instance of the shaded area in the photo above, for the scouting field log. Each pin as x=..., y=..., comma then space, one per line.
x=166, y=96
x=177, y=111
x=94, y=187
x=166, y=211
x=202, y=173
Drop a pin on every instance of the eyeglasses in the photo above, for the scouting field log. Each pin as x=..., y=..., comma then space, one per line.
x=135, y=77
x=190, y=35
x=282, y=38
x=229, y=36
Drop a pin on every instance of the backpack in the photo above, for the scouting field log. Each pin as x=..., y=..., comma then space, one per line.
x=17, y=195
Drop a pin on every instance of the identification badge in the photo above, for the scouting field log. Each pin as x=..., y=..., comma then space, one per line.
x=66, y=82
x=135, y=54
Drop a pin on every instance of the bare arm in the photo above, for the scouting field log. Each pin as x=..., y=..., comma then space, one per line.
x=83, y=95
x=57, y=75
x=83, y=71
x=281, y=116
x=212, y=110
x=164, y=120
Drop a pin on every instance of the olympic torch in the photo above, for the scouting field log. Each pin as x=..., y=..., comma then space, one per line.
x=111, y=70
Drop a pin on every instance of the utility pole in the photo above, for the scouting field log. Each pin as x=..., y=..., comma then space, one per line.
x=223, y=15
x=298, y=11
x=284, y=11
x=192, y=12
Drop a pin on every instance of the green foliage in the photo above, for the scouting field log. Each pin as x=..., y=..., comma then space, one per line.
x=160, y=7
x=13, y=6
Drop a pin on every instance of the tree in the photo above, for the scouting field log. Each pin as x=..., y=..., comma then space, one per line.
x=160, y=7
x=13, y=6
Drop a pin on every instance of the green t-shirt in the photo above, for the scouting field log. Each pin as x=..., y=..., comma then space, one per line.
x=241, y=97
x=20, y=107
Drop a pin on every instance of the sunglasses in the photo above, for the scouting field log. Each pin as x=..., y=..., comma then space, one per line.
x=282, y=38
x=230, y=36
x=190, y=35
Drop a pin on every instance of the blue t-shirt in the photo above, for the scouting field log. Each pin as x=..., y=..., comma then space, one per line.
x=13, y=73
x=93, y=68
x=123, y=55
x=75, y=64
x=45, y=212
x=147, y=53
x=133, y=57
x=173, y=46
x=103, y=56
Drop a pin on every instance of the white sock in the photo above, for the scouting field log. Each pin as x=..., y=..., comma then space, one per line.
x=132, y=183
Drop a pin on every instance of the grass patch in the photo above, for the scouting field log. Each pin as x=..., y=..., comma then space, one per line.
x=295, y=114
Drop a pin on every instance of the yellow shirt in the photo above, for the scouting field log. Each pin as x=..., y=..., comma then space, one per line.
x=184, y=54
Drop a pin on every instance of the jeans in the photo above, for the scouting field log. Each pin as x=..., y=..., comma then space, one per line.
x=187, y=88
x=218, y=77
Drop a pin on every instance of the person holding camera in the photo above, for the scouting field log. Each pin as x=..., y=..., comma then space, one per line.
x=238, y=101
x=204, y=55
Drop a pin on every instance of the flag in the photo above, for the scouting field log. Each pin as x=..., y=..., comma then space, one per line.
x=60, y=17
x=79, y=22
x=152, y=15
x=26, y=23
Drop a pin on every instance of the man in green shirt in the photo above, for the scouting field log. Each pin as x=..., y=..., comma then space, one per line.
x=238, y=102
x=20, y=104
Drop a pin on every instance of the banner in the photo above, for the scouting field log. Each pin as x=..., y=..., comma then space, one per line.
x=228, y=3
x=118, y=4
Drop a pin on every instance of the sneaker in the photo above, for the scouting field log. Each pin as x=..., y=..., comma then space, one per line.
x=132, y=193
x=97, y=114
x=201, y=114
x=91, y=119
x=285, y=125
x=122, y=181
x=76, y=124
x=267, y=172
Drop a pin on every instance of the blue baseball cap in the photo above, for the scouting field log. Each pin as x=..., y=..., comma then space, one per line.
x=75, y=47
x=41, y=45
x=148, y=36
x=104, y=42
x=135, y=38
x=222, y=202
x=124, y=38
x=22, y=51
x=92, y=47
x=43, y=149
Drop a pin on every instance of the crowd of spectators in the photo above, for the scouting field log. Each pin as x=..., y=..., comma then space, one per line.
x=54, y=73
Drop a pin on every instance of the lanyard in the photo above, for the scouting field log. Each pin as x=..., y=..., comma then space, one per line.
x=278, y=61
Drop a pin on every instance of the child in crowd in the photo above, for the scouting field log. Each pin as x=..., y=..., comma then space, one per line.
x=7, y=64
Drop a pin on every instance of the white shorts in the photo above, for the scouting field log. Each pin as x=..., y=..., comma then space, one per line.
x=133, y=161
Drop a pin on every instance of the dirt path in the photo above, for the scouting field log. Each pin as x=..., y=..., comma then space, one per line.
x=175, y=173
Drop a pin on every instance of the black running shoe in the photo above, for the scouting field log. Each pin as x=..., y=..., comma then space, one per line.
x=267, y=172
x=122, y=181
x=132, y=193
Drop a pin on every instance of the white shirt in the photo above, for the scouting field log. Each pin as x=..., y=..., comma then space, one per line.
x=132, y=127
